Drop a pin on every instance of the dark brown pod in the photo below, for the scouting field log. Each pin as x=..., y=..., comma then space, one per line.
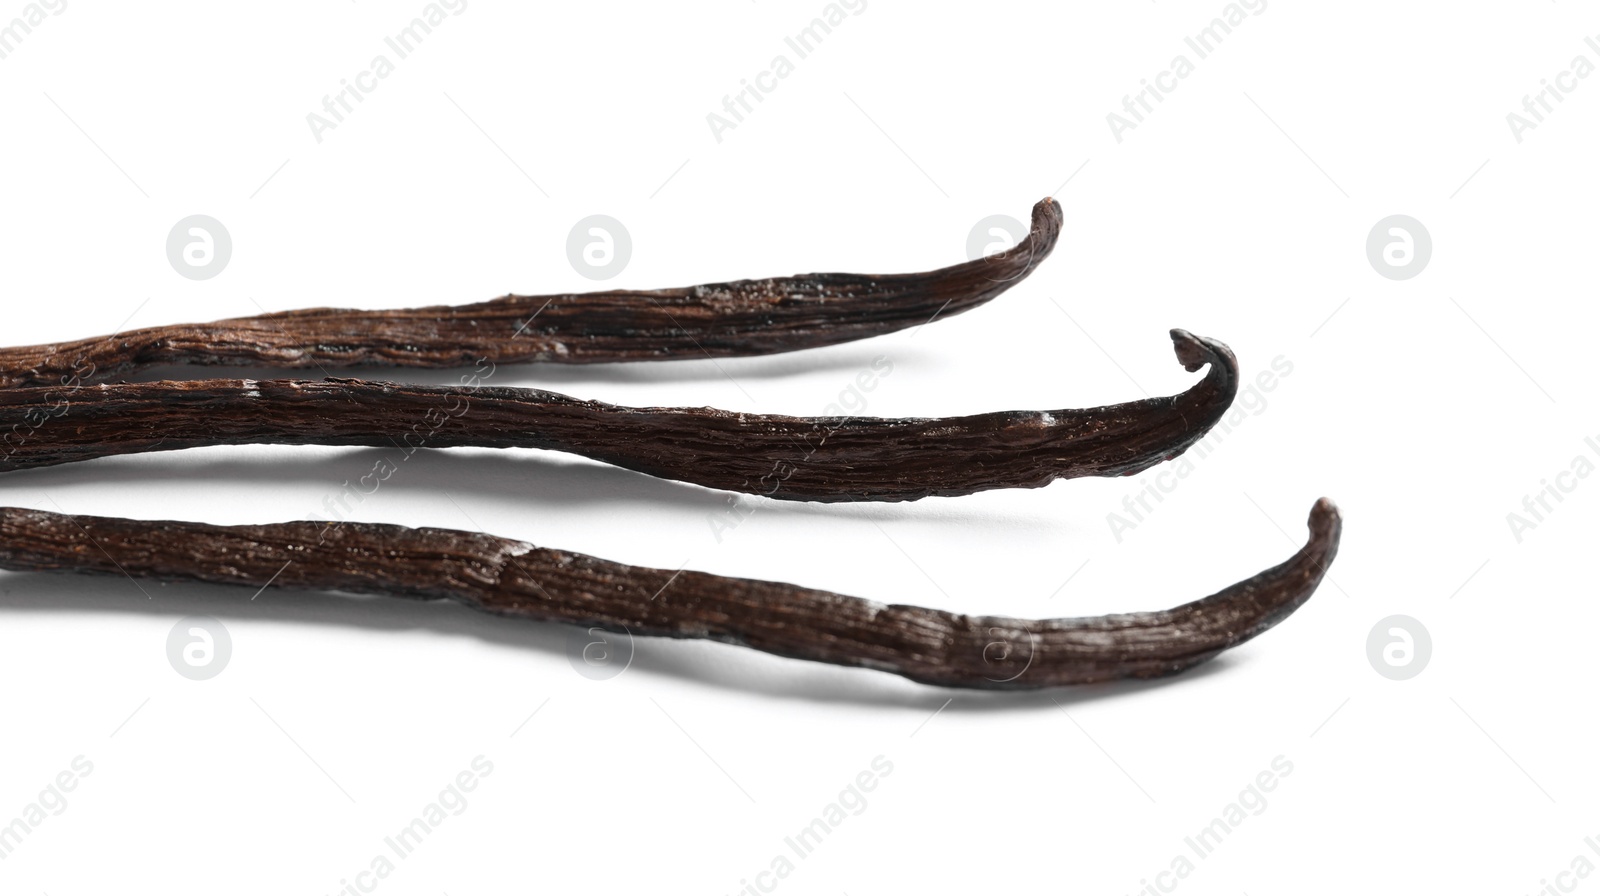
x=720, y=320
x=791, y=458
x=514, y=578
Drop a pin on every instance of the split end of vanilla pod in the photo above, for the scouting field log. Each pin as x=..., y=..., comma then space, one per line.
x=738, y=318
x=515, y=579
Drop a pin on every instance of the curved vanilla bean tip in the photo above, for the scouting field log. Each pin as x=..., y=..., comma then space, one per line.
x=790, y=458
x=722, y=320
x=513, y=578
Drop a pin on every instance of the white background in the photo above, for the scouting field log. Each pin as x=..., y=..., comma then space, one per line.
x=1428, y=408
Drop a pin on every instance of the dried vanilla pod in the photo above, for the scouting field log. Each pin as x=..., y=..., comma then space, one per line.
x=789, y=458
x=721, y=320
x=516, y=579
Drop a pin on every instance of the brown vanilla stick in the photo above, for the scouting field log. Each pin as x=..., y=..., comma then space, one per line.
x=720, y=320
x=516, y=579
x=791, y=458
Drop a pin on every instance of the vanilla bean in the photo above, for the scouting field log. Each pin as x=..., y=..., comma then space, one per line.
x=793, y=458
x=513, y=578
x=720, y=320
